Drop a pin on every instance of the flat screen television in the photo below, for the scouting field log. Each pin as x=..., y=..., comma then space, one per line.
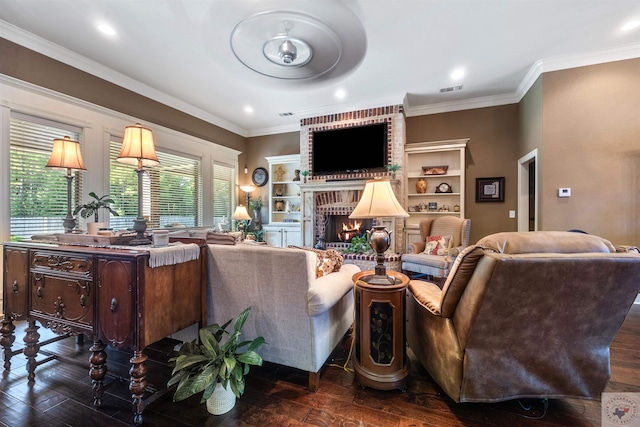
x=353, y=149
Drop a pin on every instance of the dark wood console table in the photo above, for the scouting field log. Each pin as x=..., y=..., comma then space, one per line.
x=110, y=295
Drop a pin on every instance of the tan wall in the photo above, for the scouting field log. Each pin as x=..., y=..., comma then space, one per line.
x=268, y=145
x=26, y=65
x=530, y=120
x=492, y=152
x=591, y=128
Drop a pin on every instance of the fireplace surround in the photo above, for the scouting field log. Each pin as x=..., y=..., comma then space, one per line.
x=339, y=194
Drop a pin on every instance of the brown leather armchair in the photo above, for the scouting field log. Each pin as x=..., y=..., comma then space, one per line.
x=437, y=265
x=524, y=315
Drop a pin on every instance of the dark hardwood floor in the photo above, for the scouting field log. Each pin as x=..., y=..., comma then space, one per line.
x=276, y=396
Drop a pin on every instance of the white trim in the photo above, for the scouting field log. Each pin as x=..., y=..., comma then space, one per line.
x=38, y=90
x=465, y=104
x=52, y=50
x=541, y=66
x=5, y=175
x=523, y=191
x=58, y=53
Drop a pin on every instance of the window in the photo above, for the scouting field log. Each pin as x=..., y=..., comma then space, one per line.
x=223, y=185
x=172, y=191
x=38, y=200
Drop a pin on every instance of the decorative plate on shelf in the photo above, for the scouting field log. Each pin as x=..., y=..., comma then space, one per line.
x=435, y=170
x=260, y=176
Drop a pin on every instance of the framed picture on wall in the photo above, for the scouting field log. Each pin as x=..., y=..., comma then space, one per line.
x=490, y=189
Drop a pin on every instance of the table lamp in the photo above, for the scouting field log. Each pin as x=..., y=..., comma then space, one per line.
x=241, y=215
x=138, y=149
x=65, y=154
x=378, y=201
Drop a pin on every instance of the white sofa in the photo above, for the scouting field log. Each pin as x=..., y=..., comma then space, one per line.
x=301, y=317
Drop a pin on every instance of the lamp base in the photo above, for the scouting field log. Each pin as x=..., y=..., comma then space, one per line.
x=140, y=225
x=379, y=240
x=69, y=224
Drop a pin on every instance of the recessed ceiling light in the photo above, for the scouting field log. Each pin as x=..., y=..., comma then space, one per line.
x=107, y=29
x=457, y=74
x=630, y=25
x=340, y=93
x=248, y=109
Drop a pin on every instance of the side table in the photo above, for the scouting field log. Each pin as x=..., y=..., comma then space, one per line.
x=380, y=359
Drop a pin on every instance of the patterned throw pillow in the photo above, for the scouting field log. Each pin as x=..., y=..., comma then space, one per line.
x=437, y=245
x=328, y=261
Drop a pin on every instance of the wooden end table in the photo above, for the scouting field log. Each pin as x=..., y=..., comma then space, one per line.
x=380, y=360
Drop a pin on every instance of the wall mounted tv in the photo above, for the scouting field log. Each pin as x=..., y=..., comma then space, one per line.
x=353, y=149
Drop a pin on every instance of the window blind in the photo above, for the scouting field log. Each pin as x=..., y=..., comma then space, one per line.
x=172, y=190
x=38, y=200
x=223, y=185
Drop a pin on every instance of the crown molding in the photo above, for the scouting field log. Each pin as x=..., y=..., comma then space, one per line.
x=539, y=67
x=574, y=61
x=58, y=53
x=465, y=104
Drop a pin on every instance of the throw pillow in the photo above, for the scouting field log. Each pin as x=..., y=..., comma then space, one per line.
x=328, y=260
x=437, y=245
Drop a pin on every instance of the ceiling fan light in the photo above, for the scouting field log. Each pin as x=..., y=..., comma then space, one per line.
x=287, y=52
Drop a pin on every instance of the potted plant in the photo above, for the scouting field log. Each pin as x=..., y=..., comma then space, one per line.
x=255, y=204
x=359, y=245
x=304, y=173
x=214, y=367
x=93, y=208
x=393, y=169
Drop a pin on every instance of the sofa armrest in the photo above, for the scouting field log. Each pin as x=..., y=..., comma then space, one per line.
x=327, y=290
x=416, y=247
x=426, y=294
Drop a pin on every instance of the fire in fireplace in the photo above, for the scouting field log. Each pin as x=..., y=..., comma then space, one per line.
x=349, y=231
x=342, y=229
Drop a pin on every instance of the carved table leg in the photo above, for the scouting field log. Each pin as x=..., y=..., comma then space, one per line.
x=31, y=349
x=8, y=337
x=98, y=370
x=138, y=384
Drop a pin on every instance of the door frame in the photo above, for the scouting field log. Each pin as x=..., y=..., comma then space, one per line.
x=524, y=164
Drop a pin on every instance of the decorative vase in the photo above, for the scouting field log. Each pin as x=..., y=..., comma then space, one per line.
x=221, y=401
x=421, y=186
x=93, y=227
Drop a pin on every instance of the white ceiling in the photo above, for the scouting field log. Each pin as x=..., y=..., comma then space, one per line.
x=178, y=51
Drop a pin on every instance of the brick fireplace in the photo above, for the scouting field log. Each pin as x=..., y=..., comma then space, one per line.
x=326, y=196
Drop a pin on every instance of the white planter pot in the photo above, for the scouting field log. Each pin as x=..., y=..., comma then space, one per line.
x=93, y=227
x=221, y=401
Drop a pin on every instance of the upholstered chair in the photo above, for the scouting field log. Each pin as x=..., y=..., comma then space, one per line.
x=436, y=265
x=524, y=315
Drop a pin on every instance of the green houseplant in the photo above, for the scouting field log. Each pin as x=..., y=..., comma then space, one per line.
x=205, y=366
x=393, y=169
x=93, y=207
x=255, y=203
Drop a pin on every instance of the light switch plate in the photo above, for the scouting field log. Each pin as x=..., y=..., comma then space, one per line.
x=512, y=214
x=564, y=192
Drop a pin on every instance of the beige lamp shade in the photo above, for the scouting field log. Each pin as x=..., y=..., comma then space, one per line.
x=137, y=147
x=247, y=188
x=66, y=154
x=378, y=201
x=241, y=214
